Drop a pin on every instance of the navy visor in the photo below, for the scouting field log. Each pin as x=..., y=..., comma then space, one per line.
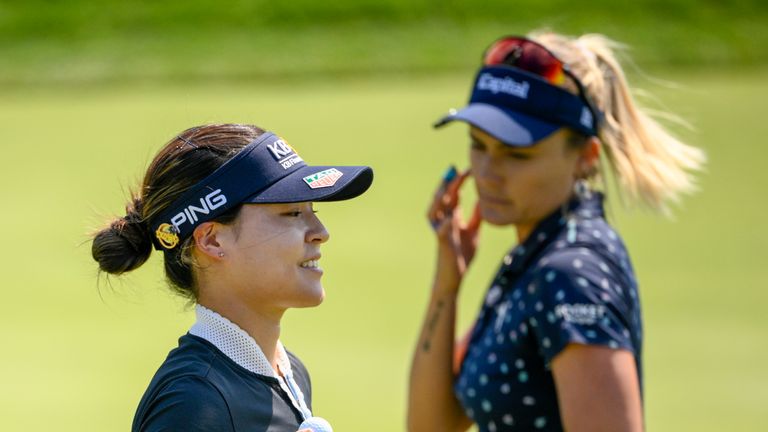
x=520, y=108
x=267, y=170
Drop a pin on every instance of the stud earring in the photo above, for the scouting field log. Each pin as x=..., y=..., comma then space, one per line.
x=221, y=254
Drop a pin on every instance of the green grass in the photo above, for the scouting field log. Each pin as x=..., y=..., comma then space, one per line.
x=78, y=41
x=77, y=357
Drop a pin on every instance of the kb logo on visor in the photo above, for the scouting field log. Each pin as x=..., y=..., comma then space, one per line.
x=284, y=153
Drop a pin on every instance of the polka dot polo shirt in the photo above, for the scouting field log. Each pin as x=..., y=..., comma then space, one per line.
x=570, y=282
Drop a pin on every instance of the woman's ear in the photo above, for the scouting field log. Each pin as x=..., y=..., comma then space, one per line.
x=589, y=158
x=208, y=240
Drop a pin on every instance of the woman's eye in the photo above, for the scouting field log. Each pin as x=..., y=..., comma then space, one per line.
x=518, y=156
x=297, y=213
x=476, y=145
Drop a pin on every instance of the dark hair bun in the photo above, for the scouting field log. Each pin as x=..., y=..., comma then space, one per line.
x=125, y=244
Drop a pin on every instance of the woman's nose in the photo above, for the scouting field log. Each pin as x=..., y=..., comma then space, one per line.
x=317, y=232
x=485, y=169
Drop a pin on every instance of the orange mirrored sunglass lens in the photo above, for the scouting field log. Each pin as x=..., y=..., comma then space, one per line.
x=526, y=55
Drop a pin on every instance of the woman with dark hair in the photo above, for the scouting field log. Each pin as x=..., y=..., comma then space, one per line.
x=557, y=343
x=230, y=207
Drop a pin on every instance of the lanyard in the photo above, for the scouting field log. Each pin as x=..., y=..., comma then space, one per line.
x=289, y=385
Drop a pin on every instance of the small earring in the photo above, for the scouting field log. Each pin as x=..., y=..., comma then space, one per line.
x=221, y=254
x=582, y=189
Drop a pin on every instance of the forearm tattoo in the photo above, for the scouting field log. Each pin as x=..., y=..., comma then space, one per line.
x=427, y=343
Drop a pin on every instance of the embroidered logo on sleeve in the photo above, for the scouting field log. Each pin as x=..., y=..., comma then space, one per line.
x=322, y=179
x=580, y=313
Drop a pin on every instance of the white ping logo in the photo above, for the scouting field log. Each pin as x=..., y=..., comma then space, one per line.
x=208, y=203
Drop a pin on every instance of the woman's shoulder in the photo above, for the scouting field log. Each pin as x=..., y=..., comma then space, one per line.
x=572, y=258
x=583, y=262
x=589, y=243
x=185, y=399
x=195, y=365
x=200, y=388
x=187, y=402
x=582, y=273
x=192, y=361
x=192, y=357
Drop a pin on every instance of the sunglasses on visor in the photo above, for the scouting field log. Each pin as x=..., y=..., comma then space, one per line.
x=531, y=56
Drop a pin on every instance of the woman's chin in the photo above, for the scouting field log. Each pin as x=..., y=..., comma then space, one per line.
x=312, y=299
x=496, y=218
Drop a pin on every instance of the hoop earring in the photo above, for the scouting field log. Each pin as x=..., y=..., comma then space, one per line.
x=582, y=191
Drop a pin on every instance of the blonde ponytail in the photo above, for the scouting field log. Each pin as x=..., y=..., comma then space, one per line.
x=652, y=166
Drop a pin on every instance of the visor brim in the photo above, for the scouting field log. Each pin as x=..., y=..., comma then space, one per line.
x=510, y=127
x=354, y=181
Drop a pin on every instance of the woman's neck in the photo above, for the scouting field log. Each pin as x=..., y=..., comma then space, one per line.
x=262, y=326
x=525, y=229
x=523, y=232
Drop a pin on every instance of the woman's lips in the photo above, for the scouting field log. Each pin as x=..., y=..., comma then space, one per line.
x=312, y=264
x=494, y=200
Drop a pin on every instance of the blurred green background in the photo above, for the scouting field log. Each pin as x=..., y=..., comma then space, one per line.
x=89, y=91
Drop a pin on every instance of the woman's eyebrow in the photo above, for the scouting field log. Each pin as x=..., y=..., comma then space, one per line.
x=526, y=150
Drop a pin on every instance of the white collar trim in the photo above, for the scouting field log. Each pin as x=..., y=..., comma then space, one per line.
x=237, y=344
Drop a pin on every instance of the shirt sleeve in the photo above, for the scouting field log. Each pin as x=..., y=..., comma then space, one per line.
x=578, y=298
x=190, y=404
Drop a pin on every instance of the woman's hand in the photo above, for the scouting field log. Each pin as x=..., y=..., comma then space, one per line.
x=457, y=240
x=432, y=405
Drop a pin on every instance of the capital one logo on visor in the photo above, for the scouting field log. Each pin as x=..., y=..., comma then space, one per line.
x=506, y=85
x=284, y=153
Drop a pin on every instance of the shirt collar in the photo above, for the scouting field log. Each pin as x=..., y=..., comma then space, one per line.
x=237, y=344
x=548, y=229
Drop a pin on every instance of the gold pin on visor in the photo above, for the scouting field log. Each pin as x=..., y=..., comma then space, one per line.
x=167, y=236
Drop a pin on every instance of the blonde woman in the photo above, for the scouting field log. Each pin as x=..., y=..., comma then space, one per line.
x=230, y=208
x=557, y=344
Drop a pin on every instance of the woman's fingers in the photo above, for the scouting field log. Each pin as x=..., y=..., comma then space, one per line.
x=439, y=197
x=452, y=189
x=446, y=199
x=444, y=228
x=474, y=221
x=452, y=202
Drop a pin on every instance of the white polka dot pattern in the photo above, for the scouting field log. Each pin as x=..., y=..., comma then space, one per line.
x=570, y=282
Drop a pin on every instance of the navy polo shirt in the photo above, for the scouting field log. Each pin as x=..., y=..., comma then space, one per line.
x=570, y=282
x=199, y=388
